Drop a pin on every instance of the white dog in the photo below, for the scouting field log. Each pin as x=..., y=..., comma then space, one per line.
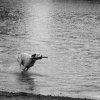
x=27, y=60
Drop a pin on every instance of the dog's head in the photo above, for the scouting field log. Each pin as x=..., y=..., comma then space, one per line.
x=36, y=56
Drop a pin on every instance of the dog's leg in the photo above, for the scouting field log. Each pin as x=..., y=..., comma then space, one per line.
x=21, y=68
x=24, y=69
x=19, y=60
x=27, y=68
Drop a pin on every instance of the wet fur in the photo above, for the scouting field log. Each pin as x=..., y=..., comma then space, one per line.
x=26, y=61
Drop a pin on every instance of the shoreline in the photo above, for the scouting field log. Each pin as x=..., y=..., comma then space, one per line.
x=29, y=96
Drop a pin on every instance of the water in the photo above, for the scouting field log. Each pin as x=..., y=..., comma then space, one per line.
x=67, y=31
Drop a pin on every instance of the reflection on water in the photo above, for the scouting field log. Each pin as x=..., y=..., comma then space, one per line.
x=25, y=79
x=67, y=31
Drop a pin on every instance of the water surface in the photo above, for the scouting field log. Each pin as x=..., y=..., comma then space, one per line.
x=67, y=31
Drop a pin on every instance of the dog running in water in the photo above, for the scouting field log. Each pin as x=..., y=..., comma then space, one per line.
x=26, y=61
